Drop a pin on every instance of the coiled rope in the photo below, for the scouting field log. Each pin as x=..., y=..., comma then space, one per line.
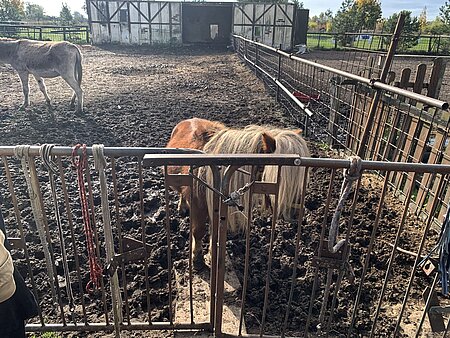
x=22, y=152
x=351, y=175
x=95, y=270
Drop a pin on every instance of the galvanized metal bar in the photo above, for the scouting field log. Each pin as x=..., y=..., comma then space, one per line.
x=392, y=257
x=375, y=83
x=108, y=151
x=169, y=246
x=419, y=253
x=21, y=231
x=72, y=237
x=281, y=86
x=368, y=254
x=87, y=172
x=120, y=237
x=288, y=160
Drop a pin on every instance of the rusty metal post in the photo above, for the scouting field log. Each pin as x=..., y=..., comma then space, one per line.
x=376, y=99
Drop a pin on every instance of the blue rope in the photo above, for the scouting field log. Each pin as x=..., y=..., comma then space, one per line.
x=444, y=252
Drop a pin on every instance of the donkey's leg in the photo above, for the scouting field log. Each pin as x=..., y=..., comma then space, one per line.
x=43, y=89
x=78, y=92
x=23, y=75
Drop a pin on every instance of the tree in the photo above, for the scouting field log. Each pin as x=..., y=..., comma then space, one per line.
x=368, y=13
x=444, y=13
x=423, y=19
x=345, y=21
x=34, y=12
x=410, y=30
x=322, y=21
x=11, y=10
x=437, y=27
x=79, y=18
x=65, y=16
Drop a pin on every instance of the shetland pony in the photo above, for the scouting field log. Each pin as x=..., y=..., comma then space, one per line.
x=194, y=134
x=291, y=183
x=222, y=141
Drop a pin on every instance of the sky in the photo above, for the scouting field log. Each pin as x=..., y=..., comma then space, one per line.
x=52, y=7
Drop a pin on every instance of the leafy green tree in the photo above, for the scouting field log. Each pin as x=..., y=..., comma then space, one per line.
x=437, y=27
x=78, y=18
x=368, y=12
x=410, y=30
x=346, y=21
x=34, y=12
x=444, y=13
x=11, y=10
x=65, y=16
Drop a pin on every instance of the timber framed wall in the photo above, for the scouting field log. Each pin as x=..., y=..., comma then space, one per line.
x=148, y=22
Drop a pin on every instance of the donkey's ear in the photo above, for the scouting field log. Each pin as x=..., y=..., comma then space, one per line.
x=298, y=131
x=269, y=143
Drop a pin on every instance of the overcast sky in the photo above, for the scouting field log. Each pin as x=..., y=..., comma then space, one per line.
x=52, y=7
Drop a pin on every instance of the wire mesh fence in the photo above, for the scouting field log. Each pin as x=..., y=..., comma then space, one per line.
x=75, y=34
x=332, y=103
x=414, y=44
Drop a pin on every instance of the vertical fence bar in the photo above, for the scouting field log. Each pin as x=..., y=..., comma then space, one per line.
x=247, y=252
x=169, y=246
x=297, y=250
x=143, y=237
x=269, y=263
x=419, y=252
x=119, y=235
x=72, y=236
x=368, y=254
x=392, y=257
x=97, y=243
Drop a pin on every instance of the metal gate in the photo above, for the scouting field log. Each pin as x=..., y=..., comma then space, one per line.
x=134, y=238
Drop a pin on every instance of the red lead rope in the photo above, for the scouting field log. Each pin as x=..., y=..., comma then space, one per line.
x=95, y=270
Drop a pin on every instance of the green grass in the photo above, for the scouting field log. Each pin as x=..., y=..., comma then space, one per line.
x=46, y=34
x=315, y=40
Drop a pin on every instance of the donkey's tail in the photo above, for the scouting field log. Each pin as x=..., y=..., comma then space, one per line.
x=78, y=67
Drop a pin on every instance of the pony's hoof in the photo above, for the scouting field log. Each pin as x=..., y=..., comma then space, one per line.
x=184, y=212
x=79, y=112
x=22, y=107
x=198, y=263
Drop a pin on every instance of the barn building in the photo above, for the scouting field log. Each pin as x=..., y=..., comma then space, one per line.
x=152, y=22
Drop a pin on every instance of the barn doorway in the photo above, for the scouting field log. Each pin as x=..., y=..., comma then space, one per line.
x=207, y=23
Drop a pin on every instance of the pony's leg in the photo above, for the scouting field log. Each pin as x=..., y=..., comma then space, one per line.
x=198, y=215
x=23, y=75
x=78, y=92
x=43, y=89
x=183, y=206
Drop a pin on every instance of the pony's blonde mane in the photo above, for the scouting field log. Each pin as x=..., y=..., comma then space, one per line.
x=291, y=178
x=233, y=141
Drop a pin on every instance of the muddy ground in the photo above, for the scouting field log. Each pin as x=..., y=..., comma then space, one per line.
x=134, y=97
